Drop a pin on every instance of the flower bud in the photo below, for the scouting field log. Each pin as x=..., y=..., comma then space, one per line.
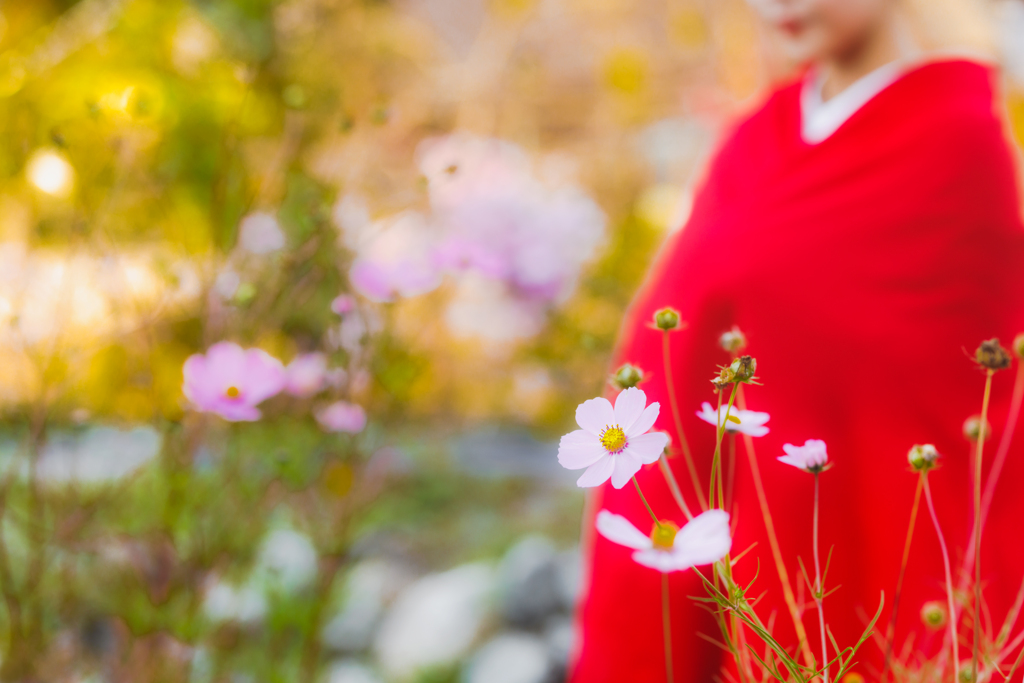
x=740, y=370
x=627, y=376
x=966, y=674
x=744, y=368
x=992, y=356
x=724, y=379
x=852, y=677
x=1018, y=345
x=666, y=319
x=933, y=615
x=973, y=427
x=922, y=457
x=733, y=341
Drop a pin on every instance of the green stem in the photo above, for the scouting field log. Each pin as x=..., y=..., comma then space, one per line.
x=714, y=459
x=977, y=529
x=773, y=543
x=891, y=630
x=731, y=474
x=646, y=505
x=1016, y=664
x=716, y=473
x=949, y=575
x=673, y=486
x=819, y=589
x=674, y=406
x=666, y=627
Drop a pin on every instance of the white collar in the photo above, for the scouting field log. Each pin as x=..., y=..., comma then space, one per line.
x=820, y=119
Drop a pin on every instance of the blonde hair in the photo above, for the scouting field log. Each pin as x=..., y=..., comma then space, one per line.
x=962, y=26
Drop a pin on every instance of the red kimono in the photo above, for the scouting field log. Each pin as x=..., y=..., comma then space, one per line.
x=863, y=270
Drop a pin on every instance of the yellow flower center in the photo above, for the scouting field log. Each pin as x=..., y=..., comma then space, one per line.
x=664, y=535
x=232, y=392
x=613, y=439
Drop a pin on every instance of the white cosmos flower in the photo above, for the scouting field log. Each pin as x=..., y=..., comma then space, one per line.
x=751, y=421
x=811, y=457
x=705, y=539
x=613, y=442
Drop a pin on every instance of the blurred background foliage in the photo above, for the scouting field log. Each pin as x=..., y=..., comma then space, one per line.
x=143, y=541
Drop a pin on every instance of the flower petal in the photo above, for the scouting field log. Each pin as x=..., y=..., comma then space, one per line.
x=645, y=421
x=626, y=465
x=707, y=413
x=704, y=539
x=594, y=415
x=794, y=460
x=598, y=473
x=618, y=529
x=579, y=449
x=753, y=430
x=659, y=559
x=647, y=448
x=628, y=407
x=235, y=412
x=194, y=386
x=264, y=376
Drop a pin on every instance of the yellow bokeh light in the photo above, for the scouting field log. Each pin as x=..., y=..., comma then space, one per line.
x=49, y=171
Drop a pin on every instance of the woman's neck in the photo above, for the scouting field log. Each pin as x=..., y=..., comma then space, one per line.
x=885, y=43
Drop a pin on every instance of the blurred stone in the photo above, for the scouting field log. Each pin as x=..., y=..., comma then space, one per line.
x=225, y=602
x=510, y=658
x=493, y=453
x=98, y=636
x=559, y=637
x=530, y=582
x=288, y=561
x=370, y=586
x=97, y=455
x=434, y=621
x=570, y=577
x=202, y=666
x=350, y=671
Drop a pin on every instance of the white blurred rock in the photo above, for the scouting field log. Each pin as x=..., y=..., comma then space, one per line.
x=510, y=658
x=201, y=668
x=99, y=455
x=559, y=637
x=370, y=586
x=288, y=560
x=570, y=577
x=529, y=582
x=434, y=621
x=349, y=671
x=225, y=602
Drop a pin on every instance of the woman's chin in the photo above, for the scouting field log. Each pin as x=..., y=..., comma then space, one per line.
x=803, y=48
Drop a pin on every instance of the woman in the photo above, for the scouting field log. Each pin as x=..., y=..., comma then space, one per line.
x=863, y=229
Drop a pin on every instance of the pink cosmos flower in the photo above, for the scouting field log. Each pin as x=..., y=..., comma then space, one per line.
x=343, y=303
x=613, y=442
x=393, y=259
x=383, y=282
x=306, y=374
x=462, y=254
x=705, y=539
x=751, y=421
x=461, y=165
x=811, y=457
x=342, y=417
x=231, y=381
